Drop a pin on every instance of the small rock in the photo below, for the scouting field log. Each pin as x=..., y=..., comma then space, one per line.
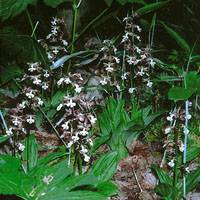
x=193, y=196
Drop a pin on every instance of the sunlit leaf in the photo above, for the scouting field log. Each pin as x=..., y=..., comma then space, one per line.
x=30, y=154
x=105, y=167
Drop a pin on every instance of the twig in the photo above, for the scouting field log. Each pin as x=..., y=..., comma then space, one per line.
x=135, y=175
x=163, y=158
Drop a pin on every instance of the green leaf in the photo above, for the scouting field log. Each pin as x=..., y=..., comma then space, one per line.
x=151, y=7
x=19, y=47
x=166, y=190
x=3, y=138
x=108, y=2
x=59, y=194
x=57, y=98
x=99, y=141
x=180, y=93
x=64, y=59
x=42, y=162
x=150, y=118
x=10, y=72
x=55, y=3
x=123, y=2
x=179, y=40
x=192, y=153
x=12, y=8
x=105, y=167
x=9, y=163
x=39, y=119
x=192, y=179
x=68, y=187
x=12, y=179
x=169, y=78
x=30, y=154
x=162, y=175
x=107, y=188
x=193, y=81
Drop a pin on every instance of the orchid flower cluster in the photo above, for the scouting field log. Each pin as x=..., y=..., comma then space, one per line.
x=76, y=124
x=54, y=44
x=77, y=119
x=23, y=116
x=176, y=125
x=74, y=113
x=127, y=69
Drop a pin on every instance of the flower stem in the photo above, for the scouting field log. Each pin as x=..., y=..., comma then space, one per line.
x=74, y=27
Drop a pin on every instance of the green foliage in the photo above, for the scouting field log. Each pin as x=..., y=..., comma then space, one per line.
x=180, y=93
x=165, y=188
x=54, y=4
x=64, y=59
x=57, y=98
x=10, y=72
x=105, y=167
x=21, y=47
x=192, y=179
x=119, y=129
x=12, y=8
x=151, y=7
x=166, y=191
x=53, y=181
x=12, y=179
x=116, y=127
x=123, y=2
x=192, y=153
x=30, y=154
x=3, y=138
x=193, y=81
x=179, y=39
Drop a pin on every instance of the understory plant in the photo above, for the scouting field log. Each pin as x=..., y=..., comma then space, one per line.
x=50, y=177
x=119, y=127
x=93, y=92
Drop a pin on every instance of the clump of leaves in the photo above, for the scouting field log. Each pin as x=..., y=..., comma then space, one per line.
x=119, y=128
x=51, y=178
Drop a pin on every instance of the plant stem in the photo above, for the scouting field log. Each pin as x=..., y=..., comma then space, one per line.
x=33, y=35
x=34, y=29
x=79, y=164
x=31, y=24
x=175, y=176
x=27, y=151
x=74, y=27
x=88, y=26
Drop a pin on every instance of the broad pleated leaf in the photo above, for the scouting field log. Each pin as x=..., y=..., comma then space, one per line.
x=30, y=154
x=105, y=167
